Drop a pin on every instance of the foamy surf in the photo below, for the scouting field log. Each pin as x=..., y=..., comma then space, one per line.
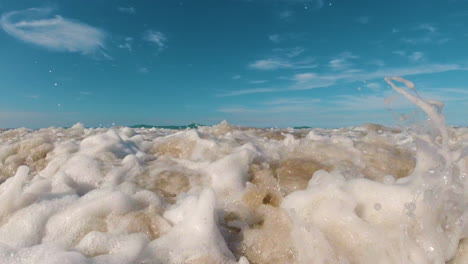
x=226, y=194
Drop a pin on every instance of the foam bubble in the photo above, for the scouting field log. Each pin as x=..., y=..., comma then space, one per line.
x=226, y=194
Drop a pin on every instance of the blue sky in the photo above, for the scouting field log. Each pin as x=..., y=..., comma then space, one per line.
x=252, y=62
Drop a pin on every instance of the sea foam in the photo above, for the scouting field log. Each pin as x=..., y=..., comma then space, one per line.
x=227, y=194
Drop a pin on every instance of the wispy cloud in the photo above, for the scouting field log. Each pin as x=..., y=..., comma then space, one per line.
x=258, y=81
x=38, y=27
x=143, y=70
x=414, y=41
x=307, y=81
x=274, y=38
x=367, y=102
x=426, y=33
x=454, y=90
x=279, y=63
x=286, y=14
x=399, y=52
x=416, y=56
x=289, y=52
x=247, y=91
x=427, y=26
x=308, y=4
x=388, y=99
x=284, y=60
x=342, y=61
x=285, y=37
x=313, y=3
x=337, y=111
x=304, y=77
x=156, y=37
x=374, y=86
x=363, y=20
x=293, y=101
x=404, y=71
x=127, y=44
x=376, y=62
x=128, y=10
x=269, y=109
x=270, y=64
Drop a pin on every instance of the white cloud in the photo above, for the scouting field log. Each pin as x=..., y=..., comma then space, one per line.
x=37, y=26
x=376, y=62
x=304, y=77
x=416, y=56
x=315, y=3
x=342, y=61
x=285, y=15
x=395, y=101
x=128, y=10
x=274, y=38
x=415, y=41
x=399, y=52
x=363, y=20
x=258, y=81
x=309, y=81
x=285, y=37
x=156, y=37
x=426, y=26
x=236, y=77
x=281, y=108
x=282, y=63
x=270, y=64
x=368, y=102
x=406, y=71
x=143, y=70
x=126, y=46
x=454, y=90
x=293, y=52
x=247, y=91
x=443, y=41
x=293, y=101
x=427, y=33
x=374, y=86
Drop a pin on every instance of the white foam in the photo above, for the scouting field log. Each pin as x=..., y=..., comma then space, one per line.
x=217, y=194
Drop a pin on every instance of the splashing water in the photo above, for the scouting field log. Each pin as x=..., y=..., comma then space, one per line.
x=226, y=194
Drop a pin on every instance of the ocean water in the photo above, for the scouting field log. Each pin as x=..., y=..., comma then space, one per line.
x=228, y=194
